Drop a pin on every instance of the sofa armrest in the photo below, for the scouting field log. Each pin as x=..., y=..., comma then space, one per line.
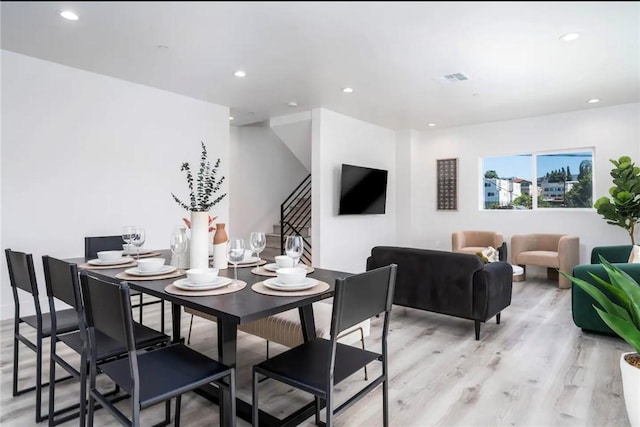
x=457, y=241
x=618, y=253
x=568, y=257
x=520, y=243
x=584, y=315
x=492, y=289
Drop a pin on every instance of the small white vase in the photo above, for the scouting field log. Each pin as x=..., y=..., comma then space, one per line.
x=199, y=243
x=631, y=390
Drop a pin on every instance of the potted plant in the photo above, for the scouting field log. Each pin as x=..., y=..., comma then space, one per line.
x=622, y=314
x=623, y=209
x=201, y=200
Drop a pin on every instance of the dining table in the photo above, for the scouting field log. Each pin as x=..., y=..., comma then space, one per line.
x=231, y=310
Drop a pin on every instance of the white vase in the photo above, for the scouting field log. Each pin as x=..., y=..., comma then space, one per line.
x=631, y=389
x=199, y=243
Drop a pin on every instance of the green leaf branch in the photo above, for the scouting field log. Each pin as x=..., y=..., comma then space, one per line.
x=206, y=185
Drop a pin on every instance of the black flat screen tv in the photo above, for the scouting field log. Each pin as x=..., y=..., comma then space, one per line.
x=363, y=191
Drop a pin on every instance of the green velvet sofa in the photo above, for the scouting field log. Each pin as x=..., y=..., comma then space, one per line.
x=584, y=315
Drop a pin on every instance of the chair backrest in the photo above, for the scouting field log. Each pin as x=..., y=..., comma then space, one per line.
x=362, y=296
x=62, y=281
x=93, y=245
x=105, y=310
x=21, y=272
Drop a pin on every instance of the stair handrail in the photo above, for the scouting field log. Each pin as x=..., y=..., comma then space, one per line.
x=290, y=215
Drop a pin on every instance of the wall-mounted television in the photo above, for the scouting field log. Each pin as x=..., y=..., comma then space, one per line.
x=363, y=190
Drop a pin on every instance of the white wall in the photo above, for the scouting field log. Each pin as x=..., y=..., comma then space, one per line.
x=613, y=131
x=344, y=242
x=265, y=173
x=84, y=154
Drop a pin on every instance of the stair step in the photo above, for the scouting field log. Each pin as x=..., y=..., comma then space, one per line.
x=305, y=231
x=273, y=240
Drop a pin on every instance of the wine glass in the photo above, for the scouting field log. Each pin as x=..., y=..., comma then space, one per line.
x=235, y=250
x=138, y=240
x=294, y=247
x=178, y=243
x=127, y=236
x=258, y=242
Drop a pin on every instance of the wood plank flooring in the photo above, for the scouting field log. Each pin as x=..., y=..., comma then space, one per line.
x=534, y=369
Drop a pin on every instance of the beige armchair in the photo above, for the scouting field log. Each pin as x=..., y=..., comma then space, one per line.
x=472, y=242
x=554, y=251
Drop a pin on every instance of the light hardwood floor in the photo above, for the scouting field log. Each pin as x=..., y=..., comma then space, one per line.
x=534, y=369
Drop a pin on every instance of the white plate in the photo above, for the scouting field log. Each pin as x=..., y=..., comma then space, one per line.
x=275, y=285
x=133, y=251
x=165, y=269
x=247, y=260
x=271, y=267
x=185, y=285
x=123, y=260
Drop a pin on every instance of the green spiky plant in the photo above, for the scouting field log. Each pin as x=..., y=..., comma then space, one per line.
x=622, y=312
x=201, y=200
x=623, y=209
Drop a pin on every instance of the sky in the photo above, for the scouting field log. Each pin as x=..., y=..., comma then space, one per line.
x=520, y=165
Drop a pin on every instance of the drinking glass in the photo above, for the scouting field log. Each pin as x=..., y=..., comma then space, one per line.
x=294, y=247
x=236, y=254
x=138, y=240
x=127, y=236
x=258, y=242
x=178, y=243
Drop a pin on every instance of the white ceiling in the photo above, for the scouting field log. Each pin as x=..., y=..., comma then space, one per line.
x=391, y=53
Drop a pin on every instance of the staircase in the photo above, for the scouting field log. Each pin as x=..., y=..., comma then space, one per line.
x=295, y=218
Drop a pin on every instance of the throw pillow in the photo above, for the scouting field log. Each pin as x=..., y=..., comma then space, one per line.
x=489, y=254
x=634, y=257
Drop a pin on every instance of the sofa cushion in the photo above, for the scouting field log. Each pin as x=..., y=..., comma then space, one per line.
x=540, y=258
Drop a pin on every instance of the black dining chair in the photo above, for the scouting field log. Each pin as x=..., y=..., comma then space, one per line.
x=63, y=284
x=22, y=277
x=149, y=377
x=319, y=364
x=95, y=244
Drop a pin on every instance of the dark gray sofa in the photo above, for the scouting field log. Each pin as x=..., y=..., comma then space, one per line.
x=450, y=283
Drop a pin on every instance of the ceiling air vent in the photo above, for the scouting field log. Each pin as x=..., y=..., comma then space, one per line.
x=455, y=77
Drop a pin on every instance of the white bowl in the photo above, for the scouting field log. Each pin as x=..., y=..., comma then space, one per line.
x=291, y=275
x=150, y=264
x=198, y=276
x=109, y=255
x=283, y=261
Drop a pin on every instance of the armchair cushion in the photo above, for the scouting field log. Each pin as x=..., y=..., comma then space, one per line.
x=472, y=241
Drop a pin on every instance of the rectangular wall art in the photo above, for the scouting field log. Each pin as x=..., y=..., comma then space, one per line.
x=447, y=170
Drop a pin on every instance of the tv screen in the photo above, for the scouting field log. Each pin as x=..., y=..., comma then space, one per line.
x=362, y=190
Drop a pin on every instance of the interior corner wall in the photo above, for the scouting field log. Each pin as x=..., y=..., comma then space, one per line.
x=84, y=154
x=343, y=242
x=266, y=173
x=405, y=140
x=612, y=131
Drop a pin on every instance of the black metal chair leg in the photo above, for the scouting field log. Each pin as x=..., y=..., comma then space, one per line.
x=52, y=381
x=366, y=374
x=141, y=308
x=176, y=420
x=39, y=416
x=254, y=406
x=190, y=326
x=162, y=315
x=15, y=362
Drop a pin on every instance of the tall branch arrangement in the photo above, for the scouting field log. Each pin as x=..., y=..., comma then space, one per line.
x=206, y=186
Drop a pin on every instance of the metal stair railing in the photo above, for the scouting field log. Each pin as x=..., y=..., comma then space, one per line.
x=295, y=215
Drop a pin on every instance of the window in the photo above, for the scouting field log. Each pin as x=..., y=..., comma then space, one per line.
x=563, y=180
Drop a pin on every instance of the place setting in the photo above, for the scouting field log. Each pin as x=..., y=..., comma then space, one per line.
x=108, y=260
x=290, y=281
x=281, y=261
x=204, y=282
x=150, y=269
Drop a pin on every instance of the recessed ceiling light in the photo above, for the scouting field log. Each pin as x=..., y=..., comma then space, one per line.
x=431, y=125
x=569, y=37
x=239, y=73
x=292, y=104
x=593, y=101
x=230, y=117
x=67, y=14
x=347, y=89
